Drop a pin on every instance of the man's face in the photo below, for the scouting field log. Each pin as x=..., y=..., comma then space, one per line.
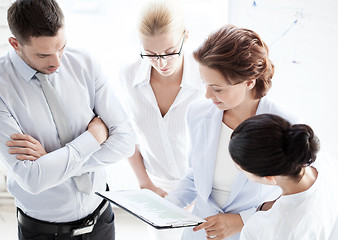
x=43, y=53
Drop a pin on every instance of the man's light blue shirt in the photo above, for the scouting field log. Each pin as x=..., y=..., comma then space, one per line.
x=44, y=188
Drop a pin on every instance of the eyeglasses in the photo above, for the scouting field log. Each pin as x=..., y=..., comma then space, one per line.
x=167, y=57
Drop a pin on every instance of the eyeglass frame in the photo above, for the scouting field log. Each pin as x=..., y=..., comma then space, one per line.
x=164, y=55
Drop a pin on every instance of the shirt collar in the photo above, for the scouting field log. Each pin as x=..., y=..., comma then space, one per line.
x=191, y=76
x=143, y=73
x=22, y=67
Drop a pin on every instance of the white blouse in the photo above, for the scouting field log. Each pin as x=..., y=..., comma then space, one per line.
x=162, y=140
x=311, y=214
x=225, y=170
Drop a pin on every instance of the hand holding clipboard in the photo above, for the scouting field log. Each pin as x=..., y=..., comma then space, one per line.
x=151, y=208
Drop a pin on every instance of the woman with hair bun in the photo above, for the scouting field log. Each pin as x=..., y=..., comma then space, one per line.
x=235, y=67
x=269, y=150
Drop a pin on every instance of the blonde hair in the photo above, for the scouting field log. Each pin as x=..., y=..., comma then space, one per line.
x=160, y=16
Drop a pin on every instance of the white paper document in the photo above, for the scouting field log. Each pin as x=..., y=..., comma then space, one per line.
x=151, y=208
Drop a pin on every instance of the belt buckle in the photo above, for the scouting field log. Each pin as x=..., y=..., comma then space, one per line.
x=87, y=228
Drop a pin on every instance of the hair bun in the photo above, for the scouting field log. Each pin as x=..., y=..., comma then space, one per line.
x=302, y=144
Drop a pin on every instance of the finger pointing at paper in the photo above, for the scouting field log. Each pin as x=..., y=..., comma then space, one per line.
x=220, y=226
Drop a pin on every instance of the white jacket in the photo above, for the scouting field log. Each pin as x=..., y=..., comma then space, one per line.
x=204, y=122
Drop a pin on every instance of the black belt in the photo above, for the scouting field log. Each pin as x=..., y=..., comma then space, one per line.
x=75, y=228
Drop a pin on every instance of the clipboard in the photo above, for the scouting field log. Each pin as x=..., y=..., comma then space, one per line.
x=151, y=208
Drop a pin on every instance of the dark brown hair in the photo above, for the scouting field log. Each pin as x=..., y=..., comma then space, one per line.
x=34, y=18
x=268, y=145
x=238, y=54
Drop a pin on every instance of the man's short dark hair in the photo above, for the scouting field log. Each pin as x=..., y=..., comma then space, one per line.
x=34, y=18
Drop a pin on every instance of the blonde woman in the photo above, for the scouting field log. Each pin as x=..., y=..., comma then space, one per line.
x=159, y=87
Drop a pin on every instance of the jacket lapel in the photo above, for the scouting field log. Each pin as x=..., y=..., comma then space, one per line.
x=211, y=131
x=236, y=188
x=212, y=128
x=241, y=179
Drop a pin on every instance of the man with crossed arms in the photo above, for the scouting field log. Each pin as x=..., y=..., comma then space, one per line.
x=53, y=145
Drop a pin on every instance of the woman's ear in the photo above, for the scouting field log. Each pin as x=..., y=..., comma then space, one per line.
x=270, y=180
x=186, y=35
x=250, y=83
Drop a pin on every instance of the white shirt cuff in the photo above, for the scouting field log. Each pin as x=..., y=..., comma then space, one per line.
x=85, y=145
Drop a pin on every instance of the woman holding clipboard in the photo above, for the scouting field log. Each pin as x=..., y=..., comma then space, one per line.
x=235, y=67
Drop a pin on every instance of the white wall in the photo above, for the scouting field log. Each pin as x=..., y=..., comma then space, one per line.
x=302, y=36
x=4, y=32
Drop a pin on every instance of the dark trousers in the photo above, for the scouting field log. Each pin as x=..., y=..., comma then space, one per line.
x=104, y=229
